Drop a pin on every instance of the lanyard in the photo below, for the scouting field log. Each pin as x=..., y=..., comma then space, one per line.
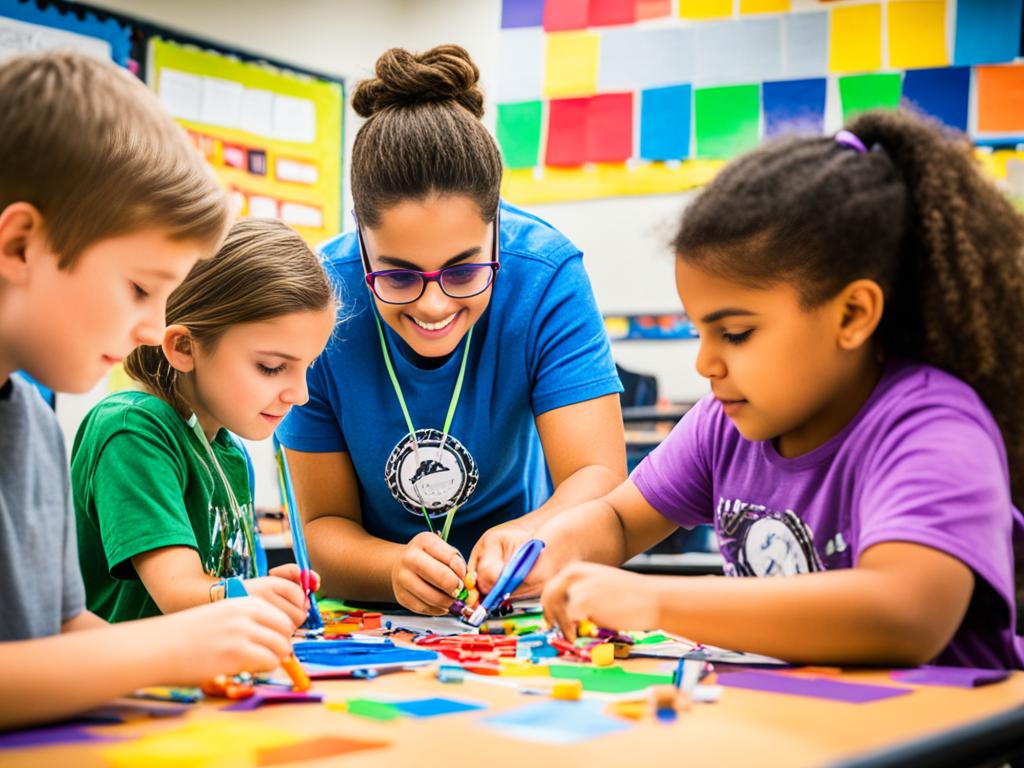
x=236, y=511
x=412, y=430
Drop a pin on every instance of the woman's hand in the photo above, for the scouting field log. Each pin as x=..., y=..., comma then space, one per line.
x=428, y=575
x=609, y=597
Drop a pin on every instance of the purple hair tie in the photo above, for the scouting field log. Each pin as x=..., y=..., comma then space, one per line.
x=847, y=139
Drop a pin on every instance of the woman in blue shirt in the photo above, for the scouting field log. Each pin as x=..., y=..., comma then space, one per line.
x=469, y=393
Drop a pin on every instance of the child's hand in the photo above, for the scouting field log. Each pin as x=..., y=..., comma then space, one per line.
x=428, y=575
x=224, y=638
x=609, y=597
x=282, y=592
x=291, y=572
x=494, y=549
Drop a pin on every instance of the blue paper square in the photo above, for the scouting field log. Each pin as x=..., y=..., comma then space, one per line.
x=942, y=93
x=794, y=107
x=556, y=722
x=665, y=118
x=522, y=13
x=987, y=31
x=436, y=706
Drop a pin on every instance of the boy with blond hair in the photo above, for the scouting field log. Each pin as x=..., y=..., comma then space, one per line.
x=104, y=208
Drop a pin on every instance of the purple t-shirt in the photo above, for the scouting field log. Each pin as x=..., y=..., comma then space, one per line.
x=923, y=461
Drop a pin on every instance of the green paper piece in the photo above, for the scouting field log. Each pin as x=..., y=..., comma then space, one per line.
x=608, y=679
x=519, y=133
x=374, y=710
x=336, y=606
x=859, y=93
x=727, y=120
x=651, y=639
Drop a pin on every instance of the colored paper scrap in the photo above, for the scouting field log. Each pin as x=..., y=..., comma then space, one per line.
x=794, y=107
x=636, y=58
x=50, y=735
x=855, y=38
x=570, y=67
x=265, y=696
x=313, y=749
x=764, y=6
x=556, y=722
x=987, y=31
x=705, y=9
x=358, y=654
x=817, y=688
x=607, y=679
x=1000, y=98
x=519, y=133
x=605, y=13
x=744, y=51
x=373, y=709
x=805, y=53
x=941, y=93
x=522, y=13
x=653, y=9
x=727, y=120
x=859, y=93
x=917, y=34
x=212, y=741
x=610, y=127
x=665, y=123
x=955, y=677
x=436, y=706
x=567, y=132
x=560, y=15
x=522, y=76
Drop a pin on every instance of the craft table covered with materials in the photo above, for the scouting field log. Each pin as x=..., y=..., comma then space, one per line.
x=924, y=727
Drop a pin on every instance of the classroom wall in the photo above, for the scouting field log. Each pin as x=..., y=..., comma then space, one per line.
x=625, y=240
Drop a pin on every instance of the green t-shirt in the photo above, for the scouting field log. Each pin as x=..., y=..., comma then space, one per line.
x=141, y=480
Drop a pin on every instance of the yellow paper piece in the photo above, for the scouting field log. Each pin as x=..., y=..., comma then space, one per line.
x=705, y=9
x=917, y=34
x=212, y=742
x=855, y=43
x=995, y=163
x=571, y=65
x=764, y=6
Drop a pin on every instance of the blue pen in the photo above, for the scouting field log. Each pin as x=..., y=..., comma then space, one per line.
x=517, y=569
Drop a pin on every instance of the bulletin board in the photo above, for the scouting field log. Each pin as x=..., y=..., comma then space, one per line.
x=602, y=98
x=273, y=136
x=27, y=27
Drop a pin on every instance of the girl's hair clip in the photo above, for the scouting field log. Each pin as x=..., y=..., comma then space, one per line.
x=848, y=139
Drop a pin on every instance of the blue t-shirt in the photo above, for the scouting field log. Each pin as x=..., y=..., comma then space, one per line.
x=539, y=345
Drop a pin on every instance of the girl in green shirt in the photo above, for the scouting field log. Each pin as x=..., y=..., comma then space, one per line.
x=161, y=486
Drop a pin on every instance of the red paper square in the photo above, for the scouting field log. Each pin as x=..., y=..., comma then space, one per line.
x=567, y=132
x=560, y=15
x=610, y=127
x=605, y=13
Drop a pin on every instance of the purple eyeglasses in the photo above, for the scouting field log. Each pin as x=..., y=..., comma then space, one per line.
x=404, y=286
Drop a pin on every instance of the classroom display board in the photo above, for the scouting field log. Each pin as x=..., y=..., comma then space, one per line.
x=601, y=98
x=26, y=27
x=273, y=136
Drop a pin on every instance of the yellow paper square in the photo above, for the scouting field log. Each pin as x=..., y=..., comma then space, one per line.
x=212, y=742
x=855, y=38
x=917, y=34
x=764, y=6
x=571, y=65
x=705, y=9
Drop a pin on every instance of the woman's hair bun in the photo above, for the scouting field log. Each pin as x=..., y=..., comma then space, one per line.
x=404, y=79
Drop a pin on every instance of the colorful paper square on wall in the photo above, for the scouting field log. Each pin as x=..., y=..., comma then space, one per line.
x=1001, y=98
x=665, y=118
x=727, y=120
x=567, y=132
x=519, y=127
x=855, y=38
x=571, y=65
x=859, y=93
x=917, y=33
x=794, y=107
x=610, y=128
x=942, y=93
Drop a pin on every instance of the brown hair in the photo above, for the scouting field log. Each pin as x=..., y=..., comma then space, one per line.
x=423, y=134
x=87, y=144
x=916, y=215
x=262, y=271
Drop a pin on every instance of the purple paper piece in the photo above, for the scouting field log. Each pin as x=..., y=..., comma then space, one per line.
x=956, y=677
x=48, y=736
x=522, y=13
x=818, y=688
x=260, y=698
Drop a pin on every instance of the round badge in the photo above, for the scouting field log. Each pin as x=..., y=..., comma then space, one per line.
x=424, y=475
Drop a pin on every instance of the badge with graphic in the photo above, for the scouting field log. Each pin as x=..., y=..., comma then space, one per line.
x=757, y=541
x=428, y=476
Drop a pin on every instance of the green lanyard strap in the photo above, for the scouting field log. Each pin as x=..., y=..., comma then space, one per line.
x=408, y=419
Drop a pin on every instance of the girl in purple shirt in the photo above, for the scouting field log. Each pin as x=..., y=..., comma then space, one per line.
x=860, y=301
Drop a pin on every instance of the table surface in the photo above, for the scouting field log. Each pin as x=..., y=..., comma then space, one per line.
x=743, y=728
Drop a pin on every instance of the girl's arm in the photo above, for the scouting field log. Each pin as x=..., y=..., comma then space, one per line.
x=175, y=579
x=900, y=605
x=584, y=447
x=423, y=575
x=83, y=667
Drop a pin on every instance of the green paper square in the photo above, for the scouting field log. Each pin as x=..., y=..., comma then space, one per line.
x=374, y=710
x=608, y=679
x=519, y=133
x=859, y=93
x=728, y=120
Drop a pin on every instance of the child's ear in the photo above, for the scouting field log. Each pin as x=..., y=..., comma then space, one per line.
x=21, y=226
x=178, y=348
x=861, y=304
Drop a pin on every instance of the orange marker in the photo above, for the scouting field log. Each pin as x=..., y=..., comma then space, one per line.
x=300, y=680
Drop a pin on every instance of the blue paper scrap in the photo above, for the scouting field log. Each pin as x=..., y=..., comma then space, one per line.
x=665, y=120
x=987, y=31
x=943, y=93
x=436, y=706
x=556, y=722
x=522, y=13
x=794, y=107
